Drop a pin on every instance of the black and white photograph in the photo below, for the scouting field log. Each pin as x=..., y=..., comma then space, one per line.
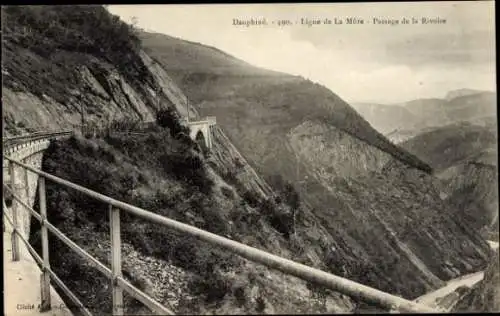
x=250, y=159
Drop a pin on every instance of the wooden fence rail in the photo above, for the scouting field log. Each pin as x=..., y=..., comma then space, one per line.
x=307, y=273
x=119, y=284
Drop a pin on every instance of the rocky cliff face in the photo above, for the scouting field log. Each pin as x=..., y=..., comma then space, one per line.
x=386, y=199
x=104, y=95
x=465, y=159
x=58, y=72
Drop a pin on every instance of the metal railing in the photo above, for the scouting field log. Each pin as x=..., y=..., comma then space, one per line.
x=119, y=284
x=14, y=143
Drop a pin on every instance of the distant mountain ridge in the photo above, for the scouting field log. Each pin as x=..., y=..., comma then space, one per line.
x=462, y=92
x=401, y=121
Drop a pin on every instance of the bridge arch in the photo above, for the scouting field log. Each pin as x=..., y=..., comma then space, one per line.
x=201, y=132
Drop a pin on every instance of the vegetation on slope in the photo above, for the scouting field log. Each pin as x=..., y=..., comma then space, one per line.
x=66, y=63
x=55, y=38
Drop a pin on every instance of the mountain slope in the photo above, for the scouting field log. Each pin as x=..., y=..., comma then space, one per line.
x=364, y=192
x=464, y=157
x=239, y=84
x=451, y=144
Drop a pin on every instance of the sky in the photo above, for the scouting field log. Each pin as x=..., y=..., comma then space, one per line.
x=370, y=62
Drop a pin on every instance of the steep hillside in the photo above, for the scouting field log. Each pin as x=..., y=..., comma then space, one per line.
x=464, y=157
x=243, y=95
x=170, y=177
x=65, y=64
x=439, y=112
x=352, y=181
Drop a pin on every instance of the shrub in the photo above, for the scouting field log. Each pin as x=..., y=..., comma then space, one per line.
x=189, y=168
x=251, y=198
x=286, y=191
x=283, y=223
x=278, y=216
x=227, y=192
x=239, y=294
x=214, y=288
x=261, y=304
x=230, y=177
x=291, y=196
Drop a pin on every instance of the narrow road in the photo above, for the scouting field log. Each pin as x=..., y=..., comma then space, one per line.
x=434, y=299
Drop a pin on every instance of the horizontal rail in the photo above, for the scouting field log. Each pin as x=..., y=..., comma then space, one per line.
x=25, y=139
x=73, y=246
x=70, y=294
x=32, y=251
x=36, y=135
x=26, y=206
x=304, y=272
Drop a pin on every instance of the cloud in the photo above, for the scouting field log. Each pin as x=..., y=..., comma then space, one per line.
x=381, y=63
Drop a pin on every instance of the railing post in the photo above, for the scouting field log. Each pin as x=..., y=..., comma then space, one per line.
x=45, y=276
x=15, y=241
x=116, y=259
x=27, y=186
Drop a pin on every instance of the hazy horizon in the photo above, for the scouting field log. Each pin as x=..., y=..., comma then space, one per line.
x=386, y=63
